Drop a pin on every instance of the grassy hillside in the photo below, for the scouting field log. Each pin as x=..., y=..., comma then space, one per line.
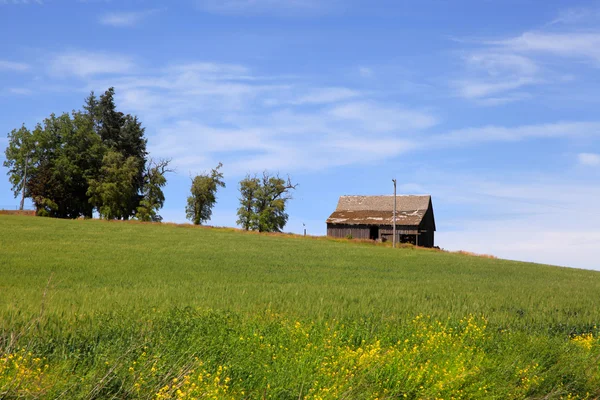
x=96, y=310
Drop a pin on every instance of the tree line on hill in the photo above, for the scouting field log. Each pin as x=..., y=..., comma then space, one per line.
x=95, y=160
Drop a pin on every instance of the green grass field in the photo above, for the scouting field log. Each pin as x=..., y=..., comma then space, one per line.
x=92, y=309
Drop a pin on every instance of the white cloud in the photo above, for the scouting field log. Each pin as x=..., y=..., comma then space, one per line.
x=509, y=69
x=567, y=44
x=20, y=91
x=589, y=159
x=208, y=112
x=85, y=64
x=472, y=89
x=493, y=77
x=503, y=98
x=498, y=64
x=204, y=112
x=511, y=134
x=576, y=16
x=13, y=66
x=376, y=117
x=326, y=95
x=125, y=19
x=539, y=218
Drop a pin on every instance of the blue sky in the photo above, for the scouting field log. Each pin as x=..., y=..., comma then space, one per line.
x=491, y=107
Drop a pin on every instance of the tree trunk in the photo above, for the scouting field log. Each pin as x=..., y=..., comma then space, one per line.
x=24, y=183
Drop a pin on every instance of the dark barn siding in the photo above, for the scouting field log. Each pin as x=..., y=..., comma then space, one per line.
x=343, y=231
x=426, y=239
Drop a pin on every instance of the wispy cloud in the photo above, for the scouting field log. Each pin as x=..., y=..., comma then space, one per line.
x=483, y=89
x=376, y=117
x=583, y=45
x=280, y=7
x=494, y=77
x=20, y=91
x=511, y=69
x=512, y=134
x=576, y=16
x=531, y=217
x=126, y=18
x=589, y=159
x=327, y=95
x=203, y=112
x=86, y=64
x=14, y=66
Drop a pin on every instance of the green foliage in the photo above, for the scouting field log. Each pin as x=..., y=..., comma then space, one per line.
x=57, y=161
x=153, y=196
x=122, y=133
x=18, y=157
x=271, y=316
x=111, y=192
x=247, y=217
x=203, y=195
x=67, y=154
x=263, y=202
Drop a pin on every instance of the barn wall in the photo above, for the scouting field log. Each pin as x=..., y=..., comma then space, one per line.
x=342, y=231
x=400, y=229
x=428, y=221
x=426, y=239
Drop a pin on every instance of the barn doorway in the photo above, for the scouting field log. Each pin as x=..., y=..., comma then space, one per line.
x=374, y=233
x=411, y=239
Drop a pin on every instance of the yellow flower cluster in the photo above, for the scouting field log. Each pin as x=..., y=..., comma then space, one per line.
x=435, y=362
x=23, y=375
x=585, y=341
x=202, y=385
x=528, y=379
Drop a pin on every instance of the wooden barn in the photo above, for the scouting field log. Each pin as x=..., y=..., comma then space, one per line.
x=371, y=217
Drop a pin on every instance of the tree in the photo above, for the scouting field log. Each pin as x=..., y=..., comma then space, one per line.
x=111, y=192
x=204, y=195
x=67, y=153
x=55, y=163
x=263, y=202
x=92, y=111
x=153, y=197
x=121, y=133
x=247, y=217
x=18, y=159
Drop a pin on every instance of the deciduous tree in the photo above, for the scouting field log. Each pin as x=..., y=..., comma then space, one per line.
x=19, y=157
x=263, y=202
x=204, y=195
x=112, y=191
x=153, y=197
x=247, y=217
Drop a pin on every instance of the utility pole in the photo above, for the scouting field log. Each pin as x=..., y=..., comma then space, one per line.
x=394, y=231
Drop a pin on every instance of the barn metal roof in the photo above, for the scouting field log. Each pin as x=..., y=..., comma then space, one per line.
x=379, y=210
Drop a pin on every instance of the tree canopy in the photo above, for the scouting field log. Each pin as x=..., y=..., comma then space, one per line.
x=93, y=159
x=204, y=195
x=263, y=202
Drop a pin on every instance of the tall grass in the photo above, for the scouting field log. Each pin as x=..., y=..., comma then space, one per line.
x=90, y=309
